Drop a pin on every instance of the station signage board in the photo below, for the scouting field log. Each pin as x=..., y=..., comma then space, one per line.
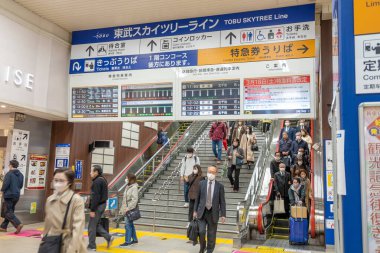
x=196, y=68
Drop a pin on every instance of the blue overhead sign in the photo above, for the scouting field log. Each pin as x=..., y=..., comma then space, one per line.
x=270, y=17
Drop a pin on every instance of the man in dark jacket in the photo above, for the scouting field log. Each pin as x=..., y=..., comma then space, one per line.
x=290, y=130
x=13, y=183
x=275, y=164
x=297, y=144
x=209, y=206
x=98, y=200
x=217, y=133
x=285, y=149
x=282, y=182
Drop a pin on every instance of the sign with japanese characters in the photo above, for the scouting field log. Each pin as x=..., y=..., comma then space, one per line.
x=37, y=172
x=156, y=66
x=370, y=175
x=367, y=46
x=62, y=156
x=329, y=192
x=19, y=150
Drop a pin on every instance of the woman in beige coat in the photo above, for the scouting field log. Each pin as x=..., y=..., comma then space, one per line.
x=130, y=200
x=56, y=205
x=246, y=142
x=308, y=190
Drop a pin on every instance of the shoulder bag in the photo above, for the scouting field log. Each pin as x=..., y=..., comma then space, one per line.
x=133, y=214
x=53, y=244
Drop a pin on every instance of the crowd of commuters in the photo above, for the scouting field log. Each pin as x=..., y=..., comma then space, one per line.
x=290, y=167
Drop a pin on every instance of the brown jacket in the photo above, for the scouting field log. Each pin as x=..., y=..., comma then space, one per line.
x=308, y=192
x=73, y=240
x=194, y=181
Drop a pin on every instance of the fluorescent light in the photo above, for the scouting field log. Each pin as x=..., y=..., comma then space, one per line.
x=3, y=106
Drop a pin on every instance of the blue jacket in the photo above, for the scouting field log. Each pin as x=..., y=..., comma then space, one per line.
x=13, y=182
x=285, y=145
x=291, y=133
x=296, y=145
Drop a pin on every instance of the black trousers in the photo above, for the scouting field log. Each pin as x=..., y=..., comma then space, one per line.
x=95, y=226
x=234, y=182
x=9, y=213
x=191, y=209
x=207, y=221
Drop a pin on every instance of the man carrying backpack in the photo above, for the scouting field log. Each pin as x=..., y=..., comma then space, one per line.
x=188, y=163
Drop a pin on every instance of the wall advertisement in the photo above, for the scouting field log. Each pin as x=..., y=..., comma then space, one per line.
x=37, y=172
x=196, y=68
x=369, y=133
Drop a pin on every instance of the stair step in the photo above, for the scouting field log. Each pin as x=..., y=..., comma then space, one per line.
x=281, y=237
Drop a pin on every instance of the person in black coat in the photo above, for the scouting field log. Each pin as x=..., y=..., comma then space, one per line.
x=13, y=183
x=275, y=164
x=209, y=206
x=297, y=144
x=282, y=182
x=290, y=130
x=285, y=149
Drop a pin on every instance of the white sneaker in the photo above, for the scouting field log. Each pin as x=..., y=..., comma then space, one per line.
x=186, y=204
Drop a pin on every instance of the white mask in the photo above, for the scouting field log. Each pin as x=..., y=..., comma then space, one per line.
x=189, y=155
x=210, y=176
x=299, y=163
x=59, y=187
x=195, y=172
x=126, y=181
x=287, y=124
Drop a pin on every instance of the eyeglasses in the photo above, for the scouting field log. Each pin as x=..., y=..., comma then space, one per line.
x=59, y=181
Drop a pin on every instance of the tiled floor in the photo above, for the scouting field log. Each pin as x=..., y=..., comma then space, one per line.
x=149, y=242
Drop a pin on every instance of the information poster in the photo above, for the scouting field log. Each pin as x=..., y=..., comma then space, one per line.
x=367, y=46
x=147, y=100
x=37, y=172
x=276, y=95
x=370, y=175
x=329, y=192
x=19, y=150
x=194, y=68
x=95, y=102
x=208, y=98
x=62, y=156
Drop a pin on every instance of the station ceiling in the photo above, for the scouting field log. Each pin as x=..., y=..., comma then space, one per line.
x=73, y=15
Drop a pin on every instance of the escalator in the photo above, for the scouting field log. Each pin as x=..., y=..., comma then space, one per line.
x=256, y=221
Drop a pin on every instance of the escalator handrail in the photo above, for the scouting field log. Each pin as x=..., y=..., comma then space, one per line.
x=138, y=156
x=260, y=226
x=312, y=202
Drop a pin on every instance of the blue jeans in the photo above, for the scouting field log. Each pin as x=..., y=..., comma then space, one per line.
x=130, y=231
x=218, y=154
x=186, y=188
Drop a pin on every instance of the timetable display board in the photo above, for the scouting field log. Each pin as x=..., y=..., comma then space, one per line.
x=197, y=68
x=147, y=100
x=209, y=98
x=95, y=102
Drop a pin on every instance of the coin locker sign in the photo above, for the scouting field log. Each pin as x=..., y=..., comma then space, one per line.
x=171, y=55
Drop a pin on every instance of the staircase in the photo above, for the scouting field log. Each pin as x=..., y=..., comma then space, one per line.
x=280, y=229
x=168, y=214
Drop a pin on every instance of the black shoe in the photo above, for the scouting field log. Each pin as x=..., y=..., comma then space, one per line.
x=124, y=245
x=134, y=242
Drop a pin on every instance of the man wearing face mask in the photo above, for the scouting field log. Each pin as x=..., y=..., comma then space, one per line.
x=209, y=204
x=99, y=196
x=302, y=125
x=188, y=163
x=290, y=130
x=297, y=144
x=282, y=182
x=13, y=183
x=275, y=164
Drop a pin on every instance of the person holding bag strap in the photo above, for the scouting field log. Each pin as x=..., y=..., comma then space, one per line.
x=129, y=209
x=63, y=234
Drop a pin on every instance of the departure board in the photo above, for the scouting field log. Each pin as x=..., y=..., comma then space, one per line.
x=207, y=98
x=95, y=102
x=147, y=100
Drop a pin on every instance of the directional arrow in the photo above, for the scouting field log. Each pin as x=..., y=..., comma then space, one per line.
x=151, y=44
x=25, y=137
x=230, y=36
x=89, y=49
x=304, y=48
x=23, y=157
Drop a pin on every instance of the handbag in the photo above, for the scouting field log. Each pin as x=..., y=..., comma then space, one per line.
x=279, y=206
x=53, y=244
x=133, y=214
x=254, y=147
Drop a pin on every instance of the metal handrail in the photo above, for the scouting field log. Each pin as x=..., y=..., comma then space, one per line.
x=254, y=186
x=143, y=168
x=175, y=172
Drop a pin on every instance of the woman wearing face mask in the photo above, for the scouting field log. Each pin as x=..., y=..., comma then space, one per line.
x=306, y=137
x=64, y=199
x=235, y=156
x=246, y=142
x=305, y=181
x=194, y=179
x=297, y=192
x=298, y=166
x=130, y=200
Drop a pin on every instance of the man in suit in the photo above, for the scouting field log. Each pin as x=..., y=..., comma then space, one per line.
x=290, y=130
x=282, y=182
x=209, y=204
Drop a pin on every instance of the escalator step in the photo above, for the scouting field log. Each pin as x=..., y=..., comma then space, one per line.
x=282, y=237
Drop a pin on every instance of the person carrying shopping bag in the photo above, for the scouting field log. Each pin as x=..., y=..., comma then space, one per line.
x=129, y=209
